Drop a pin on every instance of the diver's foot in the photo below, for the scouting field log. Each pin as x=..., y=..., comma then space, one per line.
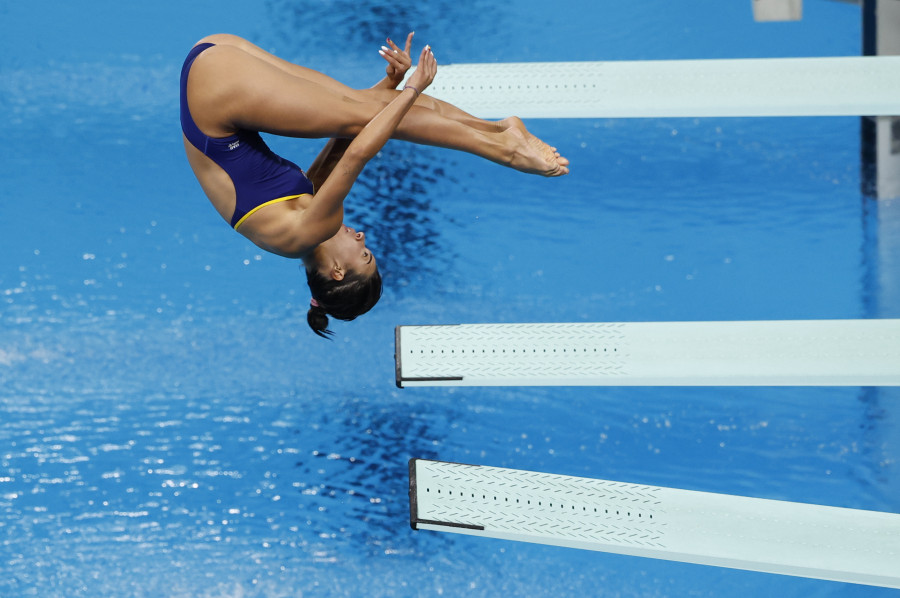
x=530, y=154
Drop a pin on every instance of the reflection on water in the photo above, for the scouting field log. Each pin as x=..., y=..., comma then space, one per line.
x=361, y=470
x=363, y=26
x=283, y=479
x=881, y=299
x=881, y=257
x=868, y=157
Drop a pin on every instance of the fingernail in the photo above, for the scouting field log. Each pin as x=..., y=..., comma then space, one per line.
x=385, y=48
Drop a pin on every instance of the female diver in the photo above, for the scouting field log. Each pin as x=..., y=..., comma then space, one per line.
x=231, y=90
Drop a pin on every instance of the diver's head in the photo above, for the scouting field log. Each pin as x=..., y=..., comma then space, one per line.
x=343, y=278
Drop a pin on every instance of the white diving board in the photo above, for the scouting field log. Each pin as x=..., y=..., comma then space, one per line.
x=833, y=86
x=748, y=353
x=777, y=10
x=771, y=536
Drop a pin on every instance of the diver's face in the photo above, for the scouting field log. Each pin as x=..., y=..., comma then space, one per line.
x=348, y=248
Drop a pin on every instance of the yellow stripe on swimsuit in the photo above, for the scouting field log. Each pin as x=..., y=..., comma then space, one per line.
x=262, y=205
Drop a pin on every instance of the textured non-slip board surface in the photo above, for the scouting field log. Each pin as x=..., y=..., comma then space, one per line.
x=833, y=86
x=750, y=353
x=696, y=527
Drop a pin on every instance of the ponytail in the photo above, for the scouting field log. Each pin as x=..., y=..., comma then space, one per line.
x=317, y=318
x=343, y=299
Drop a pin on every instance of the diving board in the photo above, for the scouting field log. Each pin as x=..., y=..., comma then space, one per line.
x=833, y=86
x=771, y=536
x=747, y=353
x=777, y=10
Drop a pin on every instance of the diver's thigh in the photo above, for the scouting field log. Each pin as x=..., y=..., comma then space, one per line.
x=230, y=89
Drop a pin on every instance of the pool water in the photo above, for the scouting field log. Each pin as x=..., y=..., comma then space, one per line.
x=170, y=426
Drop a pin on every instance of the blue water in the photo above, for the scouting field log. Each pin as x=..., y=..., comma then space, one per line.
x=169, y=426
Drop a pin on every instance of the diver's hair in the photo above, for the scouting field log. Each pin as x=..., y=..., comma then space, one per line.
x=343, y=299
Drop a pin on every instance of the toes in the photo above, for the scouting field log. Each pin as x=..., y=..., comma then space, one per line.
x=558, y=170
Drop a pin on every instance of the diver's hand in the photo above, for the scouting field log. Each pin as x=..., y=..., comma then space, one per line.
x=398, y=60
x=425, y=70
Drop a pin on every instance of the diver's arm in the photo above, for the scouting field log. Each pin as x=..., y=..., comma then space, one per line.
x=325, y=162
x=326, y=211
x=398, y=64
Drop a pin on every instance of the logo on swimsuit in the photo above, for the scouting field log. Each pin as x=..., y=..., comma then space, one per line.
x=233, y=145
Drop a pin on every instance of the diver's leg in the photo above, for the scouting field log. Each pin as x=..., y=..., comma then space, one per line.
x=230, y=89
x=296, y=70
x=445, y=109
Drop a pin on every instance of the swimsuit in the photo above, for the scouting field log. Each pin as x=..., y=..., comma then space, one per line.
x=260, y=176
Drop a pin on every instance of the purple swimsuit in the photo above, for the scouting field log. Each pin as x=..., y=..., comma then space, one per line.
x=260, y=176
